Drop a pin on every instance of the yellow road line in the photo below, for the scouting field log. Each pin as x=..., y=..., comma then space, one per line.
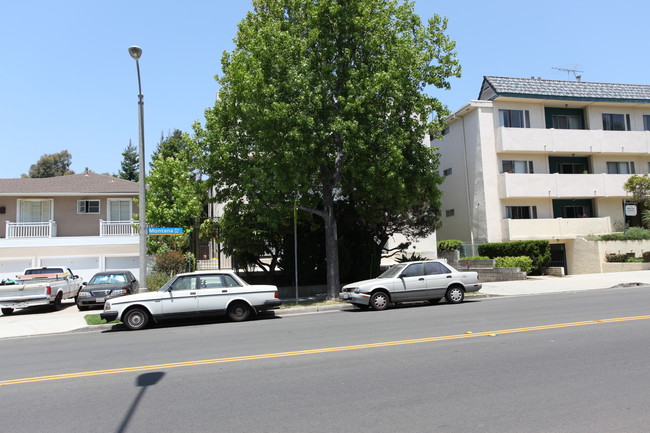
x=315, y=351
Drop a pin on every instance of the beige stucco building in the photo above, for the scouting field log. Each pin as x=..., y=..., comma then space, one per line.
x=543, y=159
x=83, y=221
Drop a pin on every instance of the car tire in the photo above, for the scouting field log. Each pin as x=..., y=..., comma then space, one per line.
x=7, y=311
x=379, y=301
x=239, y=311
x=455, y=295
x=136, y=319
x=434, y=301
x=56, y=304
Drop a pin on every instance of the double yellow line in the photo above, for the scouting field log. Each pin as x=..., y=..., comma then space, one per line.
x=314, y=351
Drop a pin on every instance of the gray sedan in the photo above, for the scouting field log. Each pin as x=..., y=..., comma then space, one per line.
x=429, y=280
x=106, y=285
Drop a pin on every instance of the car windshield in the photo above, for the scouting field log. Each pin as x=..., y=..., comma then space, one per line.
x=392, y=271
x=108, y=279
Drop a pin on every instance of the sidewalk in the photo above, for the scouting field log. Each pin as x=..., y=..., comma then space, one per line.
x=41, y=321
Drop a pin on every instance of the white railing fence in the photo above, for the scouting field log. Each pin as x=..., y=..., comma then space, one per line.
x=45, y=229
x=118, y=228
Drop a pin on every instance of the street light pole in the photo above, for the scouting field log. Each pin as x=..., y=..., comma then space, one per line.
x=136, y=52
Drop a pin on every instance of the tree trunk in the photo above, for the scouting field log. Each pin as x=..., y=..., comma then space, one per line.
x=331, y=244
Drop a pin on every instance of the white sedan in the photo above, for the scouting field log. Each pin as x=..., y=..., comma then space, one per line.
x=429, y=280
x=191, y=295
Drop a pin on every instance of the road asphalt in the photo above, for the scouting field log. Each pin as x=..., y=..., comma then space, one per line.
x=39, y=321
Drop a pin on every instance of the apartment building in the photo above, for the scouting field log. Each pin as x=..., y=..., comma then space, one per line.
x=543, y=159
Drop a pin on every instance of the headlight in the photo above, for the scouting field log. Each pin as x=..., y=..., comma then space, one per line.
x=118, y=292
x=357, y=290
x=84, y=294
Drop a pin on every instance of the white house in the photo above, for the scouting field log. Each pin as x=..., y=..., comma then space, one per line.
x=543, y=159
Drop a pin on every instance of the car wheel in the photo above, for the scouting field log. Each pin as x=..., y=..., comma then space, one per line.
x=7, y=311
x=379, y=301
x=56, y=305
x=434, y=300
x=239, y=311
x=136, y=319
x=455, y=295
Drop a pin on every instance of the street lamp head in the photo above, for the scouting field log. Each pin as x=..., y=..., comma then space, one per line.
x=135, y=52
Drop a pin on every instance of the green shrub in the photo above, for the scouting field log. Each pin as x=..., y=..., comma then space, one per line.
x=524, y=263
x=631, y=234
x=474, y=258
x=538, y=251
x=156, y=280
x=450, y=245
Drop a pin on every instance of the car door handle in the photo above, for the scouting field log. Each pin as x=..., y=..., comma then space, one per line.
x=420, y=279
x=224, y=291
x=192, y=293
x=448, y=276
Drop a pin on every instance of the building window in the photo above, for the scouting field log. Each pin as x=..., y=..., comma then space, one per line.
x=514, y=118
x=521, y=212
x=447, y=172
x=34, y=211
x=450, y=213
x=562, y=121
x=616, y=122
x=87, y=206
x=646, y=122
x=509, y=166
x=119, y=209
x=615, y=167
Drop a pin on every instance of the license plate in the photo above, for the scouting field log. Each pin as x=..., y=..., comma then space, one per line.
x=99, y=299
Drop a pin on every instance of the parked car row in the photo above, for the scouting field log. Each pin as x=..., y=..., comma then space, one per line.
x=212, y=293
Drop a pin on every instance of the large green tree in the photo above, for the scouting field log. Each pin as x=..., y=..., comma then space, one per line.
x=51, y=165
x=325, y=101
x=130, y=166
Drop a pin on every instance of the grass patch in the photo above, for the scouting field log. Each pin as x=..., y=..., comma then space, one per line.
x=94, y=319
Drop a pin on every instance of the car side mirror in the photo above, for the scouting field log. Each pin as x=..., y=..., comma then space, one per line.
x=84, y=283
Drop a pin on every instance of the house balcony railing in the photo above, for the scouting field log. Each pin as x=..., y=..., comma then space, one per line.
x=581, y=141
x=555, y=228
x=118, y=228
x=44, y=229
x=556, y=185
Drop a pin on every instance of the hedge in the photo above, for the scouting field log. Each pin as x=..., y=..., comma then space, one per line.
x=524, y=263
x=538, y=251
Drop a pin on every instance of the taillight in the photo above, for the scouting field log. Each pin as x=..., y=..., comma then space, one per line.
x=276, y=295
x=49, y=290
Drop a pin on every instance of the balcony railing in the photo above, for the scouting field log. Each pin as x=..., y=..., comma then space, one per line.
x=556, y=185
x=555, y=228
x=118, y=228
x=45, y=229
x=582, y=141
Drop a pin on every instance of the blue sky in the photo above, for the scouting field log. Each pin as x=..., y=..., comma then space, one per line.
x=68, y=82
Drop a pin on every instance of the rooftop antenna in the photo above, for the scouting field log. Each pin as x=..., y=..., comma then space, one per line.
x=569, y=71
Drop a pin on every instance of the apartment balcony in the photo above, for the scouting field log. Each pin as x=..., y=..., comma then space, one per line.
x=554, y=228
x=580, y=141
x=556, y=185
x=118, y=228
x=45, y=229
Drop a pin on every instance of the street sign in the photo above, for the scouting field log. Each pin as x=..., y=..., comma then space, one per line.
x=162, y=231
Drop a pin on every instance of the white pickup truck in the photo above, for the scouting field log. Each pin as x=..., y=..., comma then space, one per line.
x=39, y=286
